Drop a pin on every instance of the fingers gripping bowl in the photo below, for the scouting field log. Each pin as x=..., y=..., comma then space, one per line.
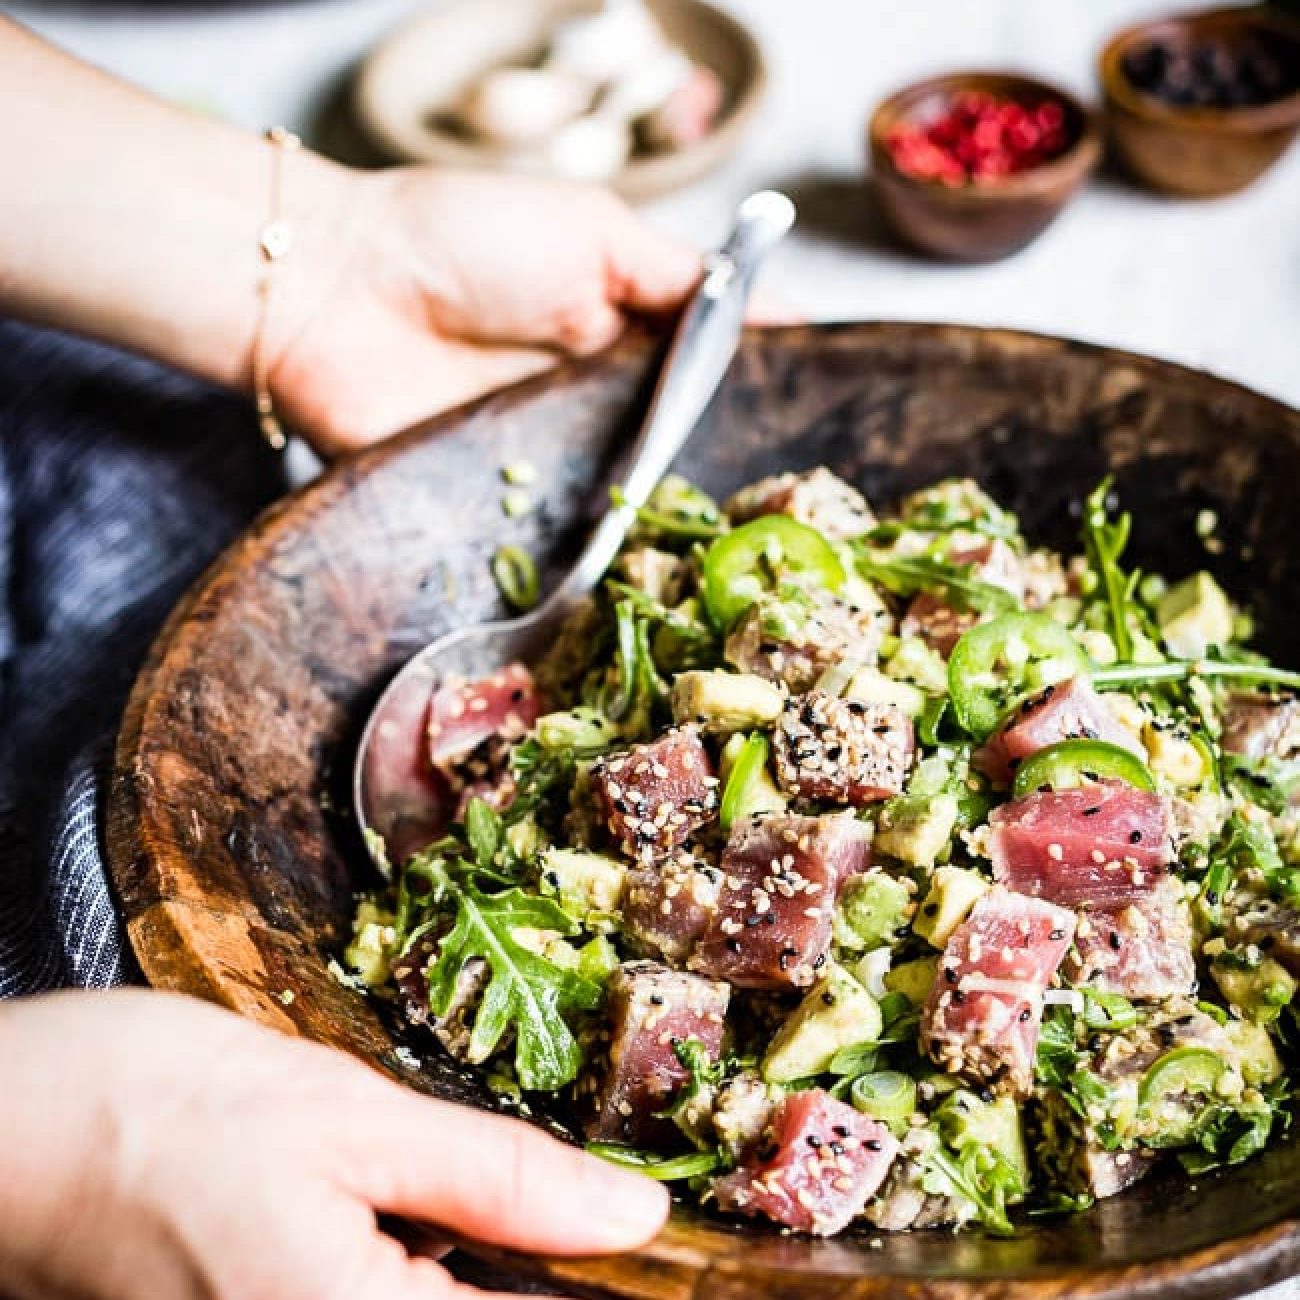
x=246, y=711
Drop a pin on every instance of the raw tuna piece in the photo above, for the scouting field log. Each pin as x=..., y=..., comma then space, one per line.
x=650, y=1008
x=1256, y=725
x=1070, y=710
x=817, y=1166
x=842, y=751
x=463, y=714
x=780, y=875
x=654, y=795
x=1103, y=844
x=795, y=644
x=981, y=1020
x=668, y=908
x=817, y=498
x=1142, y=949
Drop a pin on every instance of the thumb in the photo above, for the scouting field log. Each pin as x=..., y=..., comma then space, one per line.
x=494, y=1179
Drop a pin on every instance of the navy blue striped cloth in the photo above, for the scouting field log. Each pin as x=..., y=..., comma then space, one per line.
x=119, y=482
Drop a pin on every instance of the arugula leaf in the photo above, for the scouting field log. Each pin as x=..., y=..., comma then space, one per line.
x=1104, y=541
x=1058, y=1051
x=525, y=992
x=906, y=575
x=484, y=830
x=665, y=1169
x=1243, y=847
x=977, y=1174
x=1227, y=1134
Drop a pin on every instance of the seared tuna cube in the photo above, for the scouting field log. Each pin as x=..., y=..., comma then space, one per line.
x=815, y=1168
x=654, y=795
x=742, y=1111
x=1256, y=725
x=1069, y=710
x=1141, y=949
x=936, y=622
x=982, y=1017
x=651, y=1008
x=667, y=908
x=463, y=714
x=842, y=751
x=1101, y=844
x=411, y=975
x=904, y=1203
x=780, y=876
x=941, y=624
x=795, y=641
x=817, y=498
x=1274, y=927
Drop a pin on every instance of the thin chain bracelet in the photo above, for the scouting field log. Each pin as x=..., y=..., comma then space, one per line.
x=274, y=243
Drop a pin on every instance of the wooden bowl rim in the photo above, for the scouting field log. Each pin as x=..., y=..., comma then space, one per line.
x=641, y=177
x=1222, y=1269
x=1063, y=173
x=1120, y=93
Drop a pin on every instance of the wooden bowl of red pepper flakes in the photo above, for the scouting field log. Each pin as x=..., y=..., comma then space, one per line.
x=972, y=166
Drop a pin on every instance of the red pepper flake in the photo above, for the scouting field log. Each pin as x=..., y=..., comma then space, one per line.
x=979, y=138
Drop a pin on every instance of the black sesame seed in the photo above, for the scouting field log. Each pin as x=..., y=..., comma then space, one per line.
x=1024, y=1015
x=950, y=975
x=814, y=1141
x=1135, y=837
x=829, y=998
x=840, y=1131
x=1114, y=940
x=1056, y=935
x=769, y=918
x=656, y=999
x=733, y=944
x=873, y=1144
x=1091, y=812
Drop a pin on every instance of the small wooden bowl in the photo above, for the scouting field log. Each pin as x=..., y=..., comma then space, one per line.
x=1197, y=151
x=425, y=66
x=978, y=222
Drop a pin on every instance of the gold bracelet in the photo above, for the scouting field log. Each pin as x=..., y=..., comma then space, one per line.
x=274, y=241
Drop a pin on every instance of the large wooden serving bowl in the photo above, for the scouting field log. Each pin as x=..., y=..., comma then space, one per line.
x=234, y=860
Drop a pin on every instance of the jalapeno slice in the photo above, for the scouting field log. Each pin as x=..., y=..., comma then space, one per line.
x=1178, y=1074
x=751, y=559
x=1072, y=762
x=997, y=663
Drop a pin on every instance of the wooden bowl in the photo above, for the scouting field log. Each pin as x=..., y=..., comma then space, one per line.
x=426, y=65
x=236, y=870
x=978, y=222
x=1197, y=151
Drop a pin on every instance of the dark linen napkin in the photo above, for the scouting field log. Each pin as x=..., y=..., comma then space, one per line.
x=119, y=482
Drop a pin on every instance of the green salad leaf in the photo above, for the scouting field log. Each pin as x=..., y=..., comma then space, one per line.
x=907, y=575
x=978, y=1174
x=525, y=992
x=1104, y=541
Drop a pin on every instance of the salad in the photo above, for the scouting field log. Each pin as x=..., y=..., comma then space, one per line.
x=840, y=867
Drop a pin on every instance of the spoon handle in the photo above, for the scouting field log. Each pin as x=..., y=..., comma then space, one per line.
x=701, y=351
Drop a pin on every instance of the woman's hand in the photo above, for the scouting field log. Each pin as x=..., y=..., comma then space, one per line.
x=452, y=283
x=154, y=1146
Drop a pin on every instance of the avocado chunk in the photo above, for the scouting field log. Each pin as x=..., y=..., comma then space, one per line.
x=873, y=687
x=836, y=1013
x=913, y=979
x=914, y=661
x=1171, y=754
x=758, y=792
x=953, y=892
x=588, y=884
x=580, y=728
x=367, y=956
x=1195, y=615
x=1252, y=1051
x=1257, y=989
x=963, y=1118
x=721, y=701
x=871, y=909
x=918, y=828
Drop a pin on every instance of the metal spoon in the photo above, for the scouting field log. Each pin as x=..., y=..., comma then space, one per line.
x=391, y=792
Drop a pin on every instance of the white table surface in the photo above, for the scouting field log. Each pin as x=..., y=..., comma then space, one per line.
x=1214, y=284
